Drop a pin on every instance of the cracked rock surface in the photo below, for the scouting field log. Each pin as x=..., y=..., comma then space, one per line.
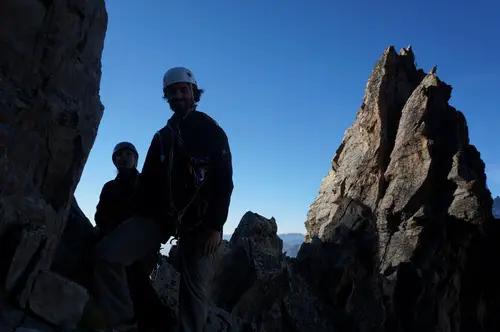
x=403, y=219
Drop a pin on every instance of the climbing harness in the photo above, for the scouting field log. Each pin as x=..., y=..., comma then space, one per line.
x=199, y=175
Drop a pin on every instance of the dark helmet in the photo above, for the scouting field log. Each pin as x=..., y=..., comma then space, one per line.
x=125, y=146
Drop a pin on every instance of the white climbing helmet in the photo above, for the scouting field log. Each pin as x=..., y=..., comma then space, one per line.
x=178, y=75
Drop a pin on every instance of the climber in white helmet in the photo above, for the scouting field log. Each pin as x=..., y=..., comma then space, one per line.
x=181, y=90
x=184, y=191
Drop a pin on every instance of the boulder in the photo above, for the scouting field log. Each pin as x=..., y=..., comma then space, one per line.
x=50, y=109
x=358, y=167
x=253, y=275
x=57, y=300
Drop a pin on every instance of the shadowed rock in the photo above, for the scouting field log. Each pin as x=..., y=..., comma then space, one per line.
x=50, y=109
x=72, y=258
x=253, y=275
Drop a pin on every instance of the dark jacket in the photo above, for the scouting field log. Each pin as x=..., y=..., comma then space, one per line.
x=188, y=164
x=117, y=201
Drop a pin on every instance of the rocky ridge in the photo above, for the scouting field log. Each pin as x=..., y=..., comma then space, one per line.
x=398, y=236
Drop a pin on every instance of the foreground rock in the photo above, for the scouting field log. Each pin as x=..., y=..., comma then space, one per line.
x=50, y=70
x=58, y=300
x=398, y=216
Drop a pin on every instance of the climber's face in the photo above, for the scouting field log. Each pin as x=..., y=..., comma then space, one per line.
x=125, y=159
x=180, y=97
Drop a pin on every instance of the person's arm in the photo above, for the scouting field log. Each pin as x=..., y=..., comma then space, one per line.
x=149, y=188
x=104, y=211
x=221, y=181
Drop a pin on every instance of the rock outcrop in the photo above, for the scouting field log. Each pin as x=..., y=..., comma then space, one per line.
x=399, y=215
x=50, y=110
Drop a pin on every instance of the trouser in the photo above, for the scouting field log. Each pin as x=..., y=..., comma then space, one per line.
x=193, y=288
x=128, y=243
x=150, y=313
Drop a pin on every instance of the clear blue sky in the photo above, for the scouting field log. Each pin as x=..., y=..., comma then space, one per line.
x=285, y=79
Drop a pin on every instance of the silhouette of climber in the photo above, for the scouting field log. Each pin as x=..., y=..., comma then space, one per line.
x=117, y=203
x=184, y=191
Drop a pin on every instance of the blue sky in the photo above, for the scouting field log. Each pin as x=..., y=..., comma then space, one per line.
x=285, y=79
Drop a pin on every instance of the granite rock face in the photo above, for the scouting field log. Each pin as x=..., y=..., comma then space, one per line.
x=253, y=274
x=50, y=110
x=399, y=215
x=363, y=156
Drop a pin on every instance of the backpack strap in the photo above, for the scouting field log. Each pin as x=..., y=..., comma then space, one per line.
x=162, y=150
x=178, y=142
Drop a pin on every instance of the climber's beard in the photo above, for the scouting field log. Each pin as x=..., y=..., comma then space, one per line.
x=181, y=106
x=125, y=169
